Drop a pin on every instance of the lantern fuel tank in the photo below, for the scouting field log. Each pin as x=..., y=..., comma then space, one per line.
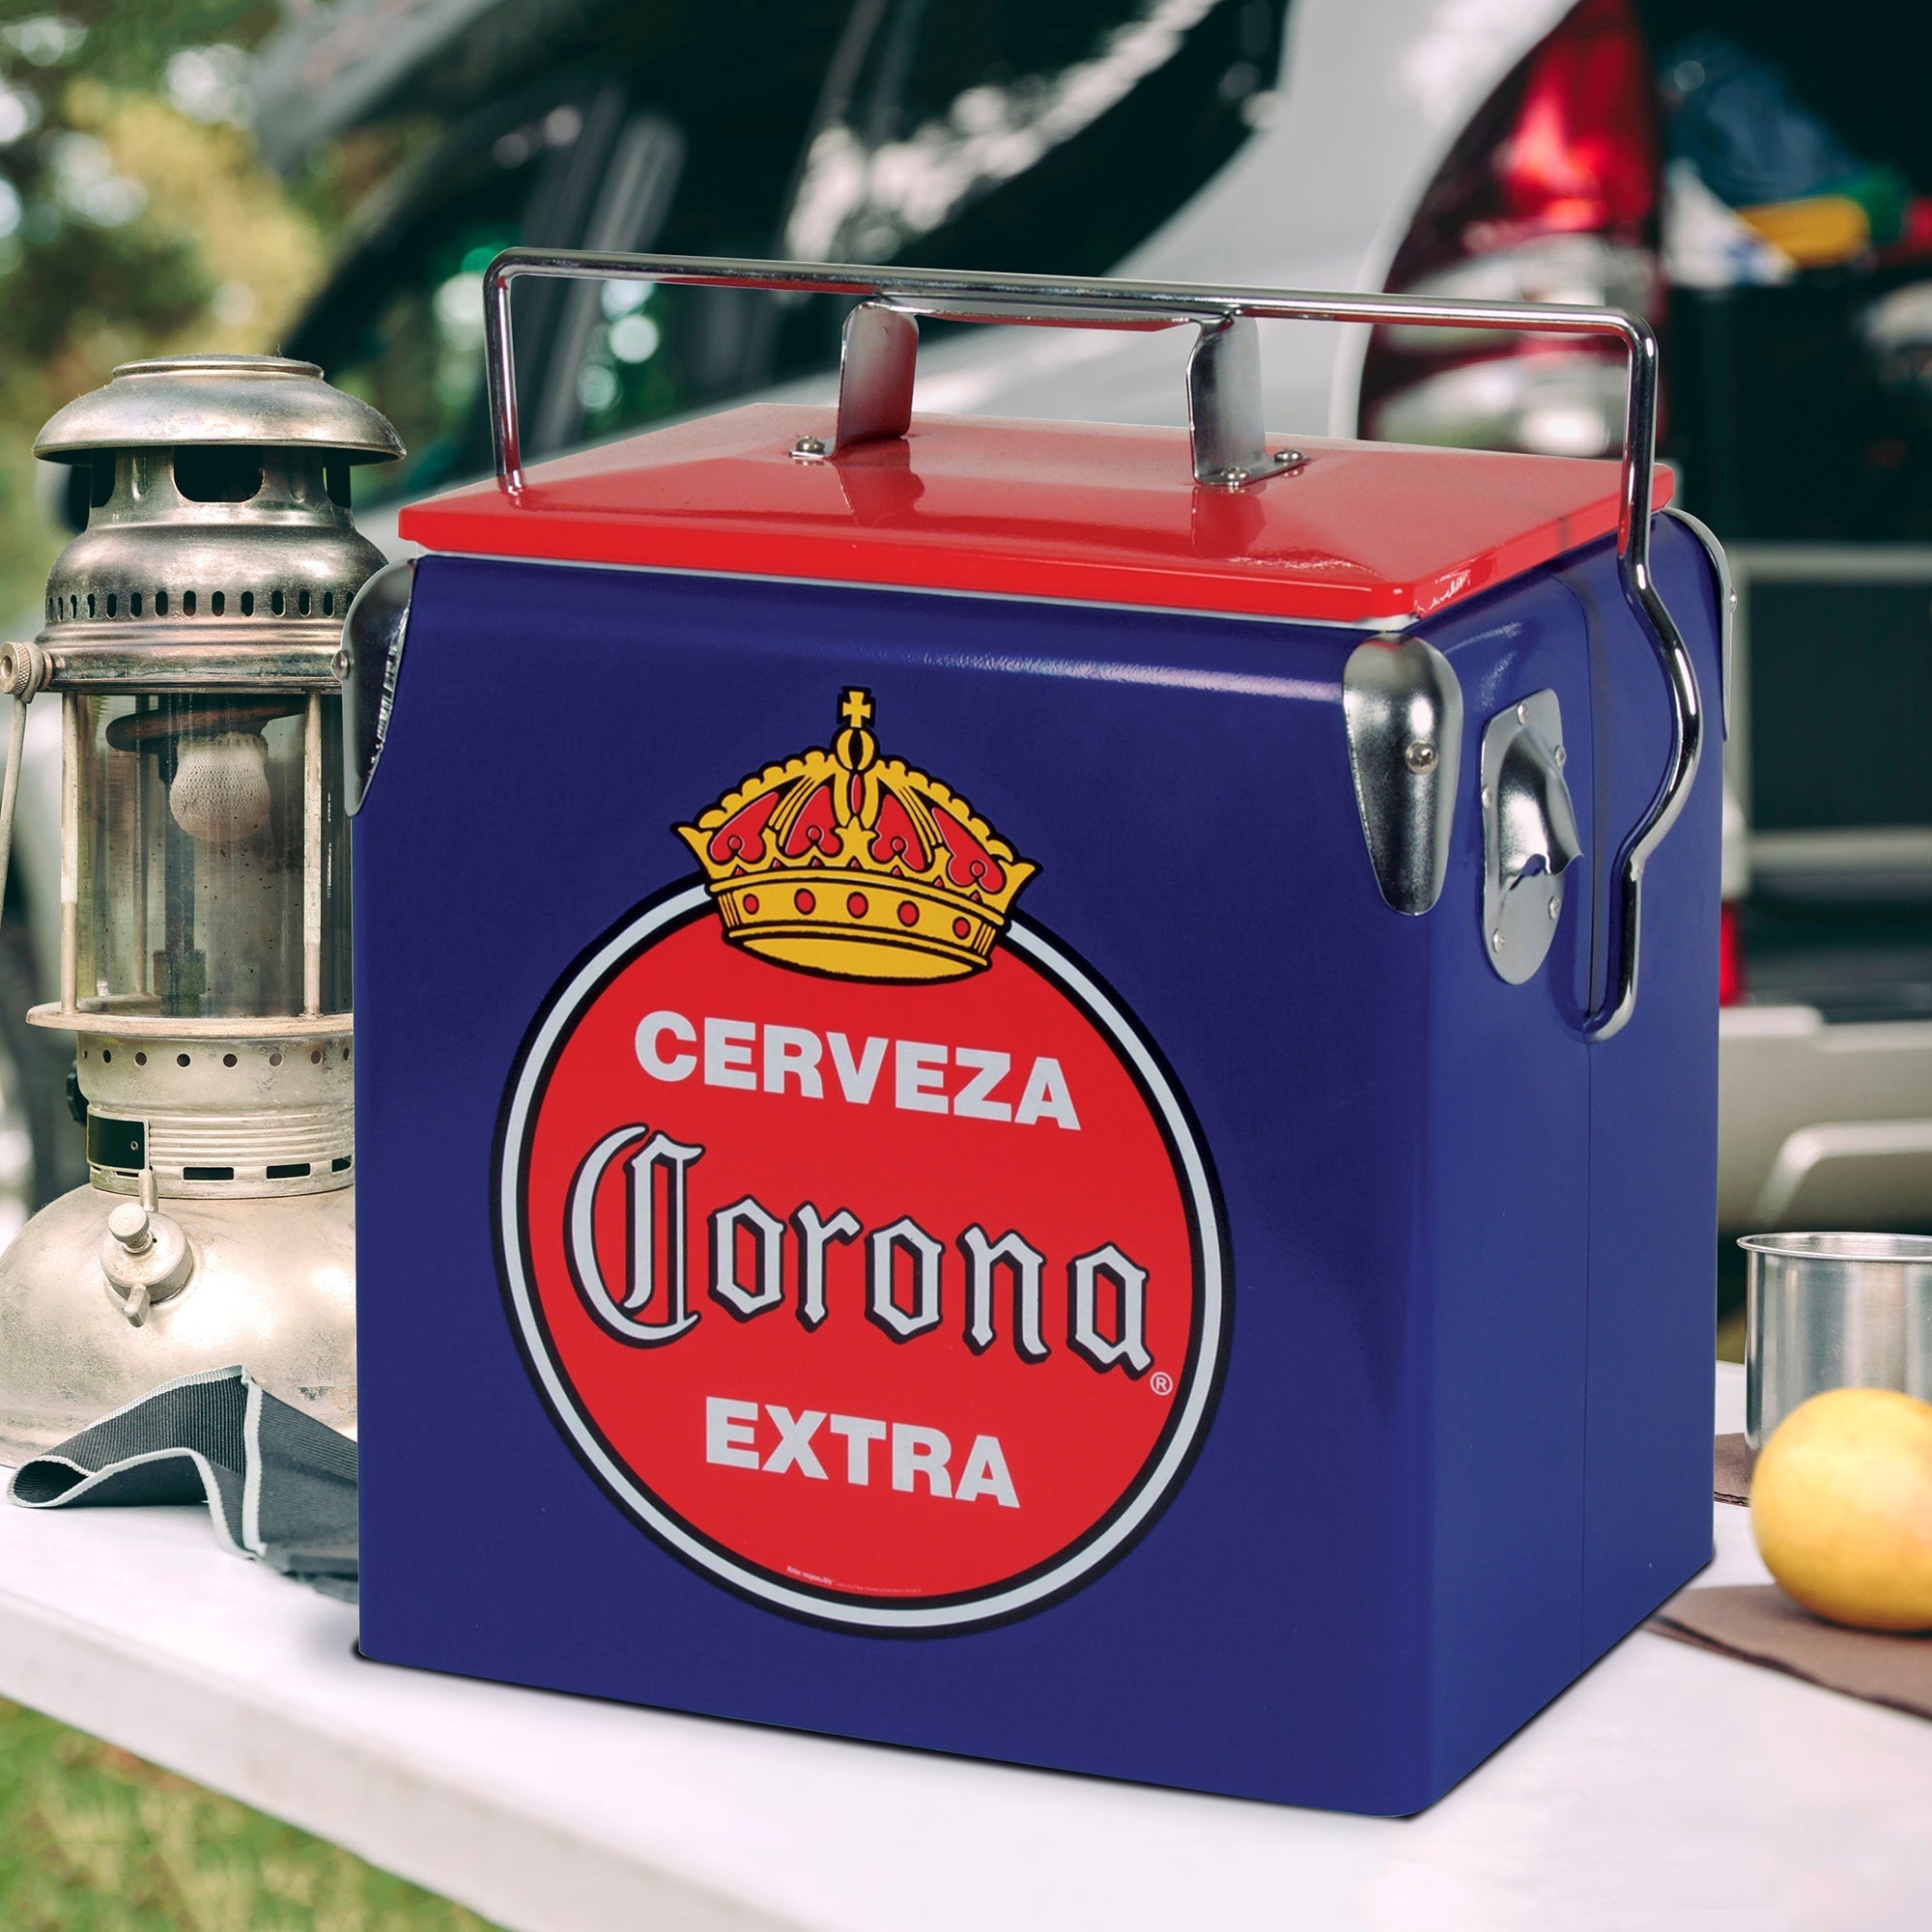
x=1039, y=1090
x=191, y=638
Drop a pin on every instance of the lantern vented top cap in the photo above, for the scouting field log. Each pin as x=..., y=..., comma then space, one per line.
x=256, y=401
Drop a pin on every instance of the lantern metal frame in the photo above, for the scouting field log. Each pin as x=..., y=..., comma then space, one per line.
x=232, y=1131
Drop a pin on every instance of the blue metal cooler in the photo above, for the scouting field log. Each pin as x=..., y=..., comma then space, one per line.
x=1008, y=1099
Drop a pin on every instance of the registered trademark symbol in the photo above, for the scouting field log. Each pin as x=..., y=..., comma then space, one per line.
x=1161, y=1382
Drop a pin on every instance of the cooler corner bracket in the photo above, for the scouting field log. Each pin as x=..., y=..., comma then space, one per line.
x=374, y=635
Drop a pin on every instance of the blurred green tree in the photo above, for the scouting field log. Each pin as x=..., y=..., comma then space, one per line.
x=134, y=217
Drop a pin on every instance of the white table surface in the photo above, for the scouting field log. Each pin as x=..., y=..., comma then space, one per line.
x=1669, y=1787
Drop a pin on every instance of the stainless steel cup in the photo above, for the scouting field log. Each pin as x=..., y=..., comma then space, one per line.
x=1834, y=1311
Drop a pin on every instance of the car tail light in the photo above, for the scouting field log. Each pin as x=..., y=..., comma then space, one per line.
x=1731, y=957
x=1550, y=196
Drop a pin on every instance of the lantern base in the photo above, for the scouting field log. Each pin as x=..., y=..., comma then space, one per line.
x=272, y=1287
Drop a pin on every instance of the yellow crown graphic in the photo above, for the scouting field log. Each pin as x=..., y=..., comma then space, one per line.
x=842, y=862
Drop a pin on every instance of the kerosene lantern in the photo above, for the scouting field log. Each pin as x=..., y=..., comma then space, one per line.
x=191, y=640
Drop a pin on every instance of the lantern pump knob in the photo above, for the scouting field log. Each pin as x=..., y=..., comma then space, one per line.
x=129, y=1225
x=144, y=1255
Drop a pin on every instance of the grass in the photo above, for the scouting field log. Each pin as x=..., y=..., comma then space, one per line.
x=93, y=1839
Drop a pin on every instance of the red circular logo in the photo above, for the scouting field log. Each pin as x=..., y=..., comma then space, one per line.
x=895, y=1306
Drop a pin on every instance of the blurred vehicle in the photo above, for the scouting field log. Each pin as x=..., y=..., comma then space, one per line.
x=1802, y=426
x=1508, y=151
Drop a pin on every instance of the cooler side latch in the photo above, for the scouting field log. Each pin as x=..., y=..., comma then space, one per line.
x=1403, y=706
x=368, y=664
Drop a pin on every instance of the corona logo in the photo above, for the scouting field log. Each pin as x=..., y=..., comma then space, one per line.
x=842, y=861
x=861, y=1244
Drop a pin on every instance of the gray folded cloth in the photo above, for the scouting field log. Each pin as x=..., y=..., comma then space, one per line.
x=281, y=1486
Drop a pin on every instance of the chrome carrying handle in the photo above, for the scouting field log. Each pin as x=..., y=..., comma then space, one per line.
x=1223, y=408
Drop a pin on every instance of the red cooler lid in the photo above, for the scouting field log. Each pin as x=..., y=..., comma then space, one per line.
x=1362, y=533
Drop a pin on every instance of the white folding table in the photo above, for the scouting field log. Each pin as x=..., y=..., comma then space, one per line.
x=1669, y=1787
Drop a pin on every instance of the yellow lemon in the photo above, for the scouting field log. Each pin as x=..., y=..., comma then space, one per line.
x=1841, y=1507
